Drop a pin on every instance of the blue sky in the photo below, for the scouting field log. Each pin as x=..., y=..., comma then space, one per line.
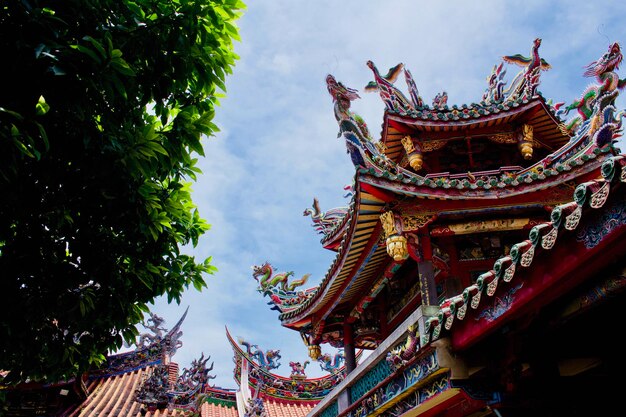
x=278, y=145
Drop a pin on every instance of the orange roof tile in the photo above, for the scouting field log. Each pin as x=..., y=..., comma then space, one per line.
x=114, y=396
x=284, y=409
x=215, y=410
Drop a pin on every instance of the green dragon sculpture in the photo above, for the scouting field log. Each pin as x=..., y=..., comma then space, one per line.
x=603, y=93
x=269, y=280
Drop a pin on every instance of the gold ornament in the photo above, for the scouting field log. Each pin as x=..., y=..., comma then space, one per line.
x=416, y=161
x=414, y=156
x=397, y=247
x=526, y=144
x=433, y=145
x=315, y=351
x=410, y=223
x=388, y=223
x=508, y=137
x=408, y=144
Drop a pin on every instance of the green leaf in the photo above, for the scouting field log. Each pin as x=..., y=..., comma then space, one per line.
x=97, y=45
x=87, y=52
x=41, y=107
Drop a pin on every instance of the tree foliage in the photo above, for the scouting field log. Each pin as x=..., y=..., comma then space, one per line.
x=102, y=107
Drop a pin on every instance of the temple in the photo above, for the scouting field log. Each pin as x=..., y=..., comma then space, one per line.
x=481, y=254
x=480, y=260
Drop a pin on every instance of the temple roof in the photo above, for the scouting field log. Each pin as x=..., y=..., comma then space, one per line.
x=115, y=396
x=565, y=155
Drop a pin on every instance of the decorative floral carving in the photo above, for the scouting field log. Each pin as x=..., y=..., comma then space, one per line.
x=500, y=305
x=432, y=145
x=507, y=138
x=412, y=223
x=599, y=197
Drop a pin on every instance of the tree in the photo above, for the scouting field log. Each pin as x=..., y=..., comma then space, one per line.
x=102, y=107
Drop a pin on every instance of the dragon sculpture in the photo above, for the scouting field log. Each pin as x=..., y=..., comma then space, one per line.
x=197, y=374
x=267, y=360
x=525, y=83
x=324, y=222
x=342, y=97
x=270, y=280
x=601, y=95
x=331, y=364
x=155, y=390
x=363, y=152
x=154, y=323
x=398, y=357
x=351, y=125
x=284, y=297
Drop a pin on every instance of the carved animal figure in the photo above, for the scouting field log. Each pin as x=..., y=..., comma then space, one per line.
x=391, y=96
x=351, y=126
x=297, y=369
x=603, y=69
x=324, y=222
x=390, y=77
x=331, y=363
x=268, y=360
x=440, y=100
x=398, y=356
x=530, y=63
x=270, y=280
x=495, y=89
x=146, y=339
x=342, y=97
x=528, y=79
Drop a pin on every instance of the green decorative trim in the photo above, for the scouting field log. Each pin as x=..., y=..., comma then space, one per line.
x=372, y=378
x=223, y=403
x=331, y=411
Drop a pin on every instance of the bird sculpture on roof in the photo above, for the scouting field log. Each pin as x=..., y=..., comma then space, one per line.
x=390, y=77
x=525, y=83
x=392, y=97
x=532, y=62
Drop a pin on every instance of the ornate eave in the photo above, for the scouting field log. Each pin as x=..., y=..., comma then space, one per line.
x=296, y=389
x=442, y=123
x=357, y=245
x=543, y=237
x=360, y=256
